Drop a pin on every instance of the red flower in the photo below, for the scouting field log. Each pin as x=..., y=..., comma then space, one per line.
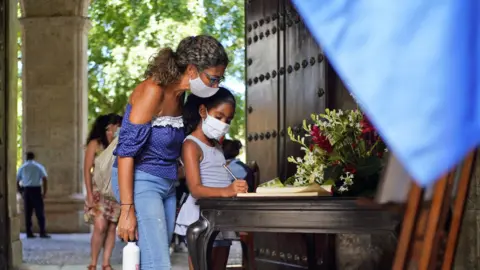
x=349, y=168
x=314, y=131
x=366, y=125
x=321, y=140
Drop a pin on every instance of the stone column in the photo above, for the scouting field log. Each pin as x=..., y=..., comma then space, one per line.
x=468, y=250
x=54, y=58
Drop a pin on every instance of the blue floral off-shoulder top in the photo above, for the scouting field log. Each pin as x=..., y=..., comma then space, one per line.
x=155, y=146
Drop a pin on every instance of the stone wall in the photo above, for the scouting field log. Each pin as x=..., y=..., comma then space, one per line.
x=54, y=62
x=468, y=250
x=15, y=243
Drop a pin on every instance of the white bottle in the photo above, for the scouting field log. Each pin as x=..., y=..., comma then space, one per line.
x=131, y=257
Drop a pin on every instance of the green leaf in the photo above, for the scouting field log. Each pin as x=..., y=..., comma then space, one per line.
x=272, y=183
x=332, y=173
x=329, y=182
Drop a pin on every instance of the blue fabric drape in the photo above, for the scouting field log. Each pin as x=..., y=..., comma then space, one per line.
x=412, y=66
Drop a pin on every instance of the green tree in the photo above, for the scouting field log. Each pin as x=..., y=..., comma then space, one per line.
x=126, y=33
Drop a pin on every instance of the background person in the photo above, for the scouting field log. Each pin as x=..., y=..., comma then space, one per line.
x=231, y=149
x=100, y=211
x=31, y=177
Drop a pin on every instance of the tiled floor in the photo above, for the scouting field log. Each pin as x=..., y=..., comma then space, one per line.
x=71, y=252
x=179, y=261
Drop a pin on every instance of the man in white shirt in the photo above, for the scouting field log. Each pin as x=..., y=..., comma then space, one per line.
x=31, y=177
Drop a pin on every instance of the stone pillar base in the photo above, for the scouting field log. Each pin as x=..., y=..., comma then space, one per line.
x=62, y=214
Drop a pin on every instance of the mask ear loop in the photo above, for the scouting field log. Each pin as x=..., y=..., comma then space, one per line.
x=206, y=112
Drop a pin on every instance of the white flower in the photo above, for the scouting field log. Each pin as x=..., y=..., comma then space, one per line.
x=311, y=178
x=317, y=174
x=309, y=159
x=300, y=171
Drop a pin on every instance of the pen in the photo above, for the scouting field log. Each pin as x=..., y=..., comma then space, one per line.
x=230, y=172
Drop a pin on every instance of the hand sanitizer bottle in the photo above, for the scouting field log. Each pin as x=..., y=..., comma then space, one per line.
x=131, y=257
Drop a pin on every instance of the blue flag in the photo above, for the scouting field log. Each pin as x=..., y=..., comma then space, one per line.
x=412, y=66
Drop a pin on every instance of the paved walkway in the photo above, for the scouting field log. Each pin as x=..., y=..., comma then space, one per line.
x=72, y=252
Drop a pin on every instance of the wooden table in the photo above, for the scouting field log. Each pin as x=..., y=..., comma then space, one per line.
x=282, y=214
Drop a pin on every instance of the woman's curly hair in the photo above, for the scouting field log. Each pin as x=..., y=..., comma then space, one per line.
x=203, y=51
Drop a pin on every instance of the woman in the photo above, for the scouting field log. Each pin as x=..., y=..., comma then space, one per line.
x=102, y=212
x=144, y=174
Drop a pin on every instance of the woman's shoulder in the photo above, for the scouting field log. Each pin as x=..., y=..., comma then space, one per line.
x=147, y=89
x=95, y=146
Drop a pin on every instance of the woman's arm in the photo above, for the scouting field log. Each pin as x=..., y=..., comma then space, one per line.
x=144, y=108
x=88, y=164
x=191, y=155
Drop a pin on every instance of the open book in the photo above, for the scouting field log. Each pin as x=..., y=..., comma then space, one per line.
x=311, y=190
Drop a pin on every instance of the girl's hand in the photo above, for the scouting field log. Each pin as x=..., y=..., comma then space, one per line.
x=237, y=186
x=127, y=224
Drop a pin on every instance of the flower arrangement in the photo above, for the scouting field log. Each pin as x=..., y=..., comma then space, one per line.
x=343, y=149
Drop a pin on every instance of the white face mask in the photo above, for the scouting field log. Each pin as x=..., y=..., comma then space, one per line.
x=214, y=128
x=200, y=89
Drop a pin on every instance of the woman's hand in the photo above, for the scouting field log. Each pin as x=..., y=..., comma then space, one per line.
x=237, y=186
x=127, y=224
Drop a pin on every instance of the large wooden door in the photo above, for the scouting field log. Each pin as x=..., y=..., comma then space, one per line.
x=285, y=84
x=304, y=82
x=4, y=232
x=263, y=82
x=263, y=86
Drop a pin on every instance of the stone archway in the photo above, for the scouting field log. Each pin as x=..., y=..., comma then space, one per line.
x=10, y=245
x=54, y=69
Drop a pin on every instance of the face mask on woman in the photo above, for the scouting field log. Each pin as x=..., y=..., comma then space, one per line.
x=200, y=89
x=214, y=128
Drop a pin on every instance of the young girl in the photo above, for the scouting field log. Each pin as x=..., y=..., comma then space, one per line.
x=206, y=120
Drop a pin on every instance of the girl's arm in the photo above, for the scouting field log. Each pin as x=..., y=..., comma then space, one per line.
x=88, y=165
x=191, y=155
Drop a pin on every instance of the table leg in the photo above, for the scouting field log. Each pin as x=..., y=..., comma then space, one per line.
x=200, y=236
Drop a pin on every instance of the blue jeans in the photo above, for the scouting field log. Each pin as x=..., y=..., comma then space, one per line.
x=155, y=208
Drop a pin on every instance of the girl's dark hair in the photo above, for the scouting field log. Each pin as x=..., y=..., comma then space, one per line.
x=115, y=119
x=203, y=51
x=231, y=148
x=99, y=127
x=191, y=114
